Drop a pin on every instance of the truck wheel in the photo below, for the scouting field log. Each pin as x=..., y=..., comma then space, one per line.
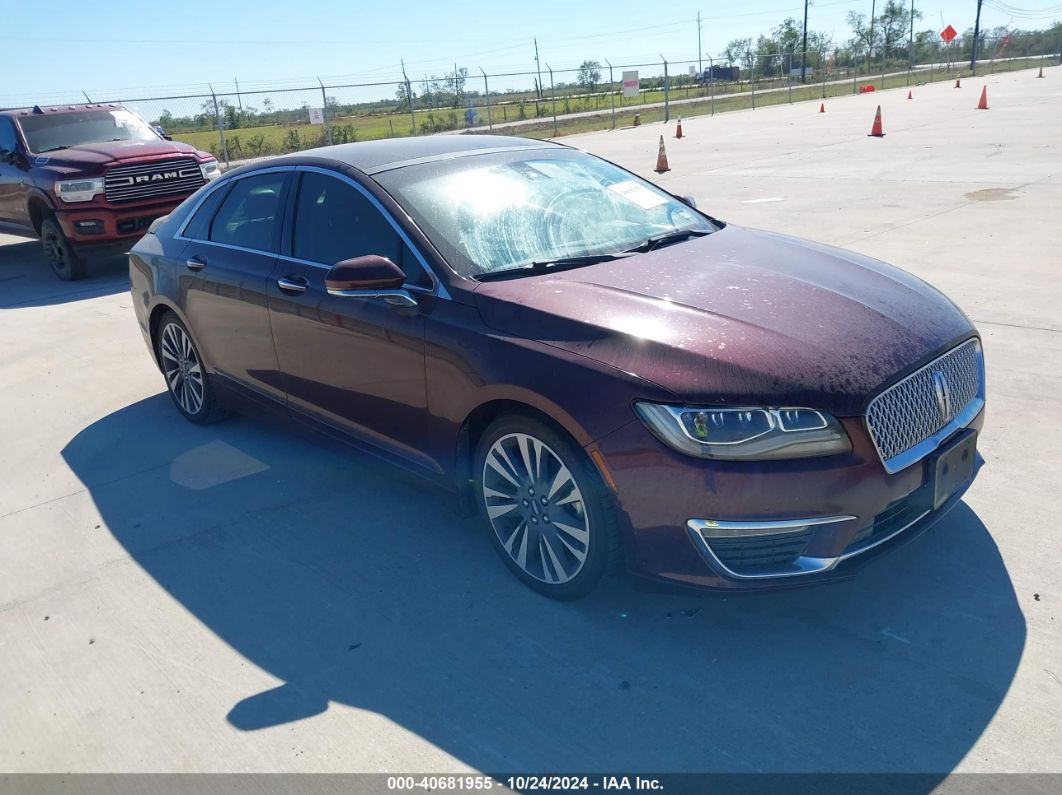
x=65, y=262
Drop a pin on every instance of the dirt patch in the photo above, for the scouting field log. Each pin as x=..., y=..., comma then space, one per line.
x=992, y=195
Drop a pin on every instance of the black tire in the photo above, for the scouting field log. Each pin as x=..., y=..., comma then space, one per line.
x=64, y=260
x=549, y=553
x=184, y=372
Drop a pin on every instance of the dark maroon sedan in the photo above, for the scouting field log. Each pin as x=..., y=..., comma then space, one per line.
x=607, y=374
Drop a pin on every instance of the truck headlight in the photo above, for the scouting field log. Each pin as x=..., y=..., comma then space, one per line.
x=79, y=190
x=210, y=170
x=745, y=434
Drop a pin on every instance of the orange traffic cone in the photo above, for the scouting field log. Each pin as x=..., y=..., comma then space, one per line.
x=822, y=107
x=875, y=131
x=909, y=95
x=661, y=158
x=958, y=84
x=678, y=130
x=982, y=104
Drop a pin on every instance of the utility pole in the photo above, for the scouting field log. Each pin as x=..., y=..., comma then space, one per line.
x=910, y=42
x=870, y=42
x=538, y=88
x=700, y=63
x=409, y=99
x=977, y=33
x=804, y=51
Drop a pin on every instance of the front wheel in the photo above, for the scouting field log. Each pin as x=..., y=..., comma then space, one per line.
x=65, y=262
x=551, y=517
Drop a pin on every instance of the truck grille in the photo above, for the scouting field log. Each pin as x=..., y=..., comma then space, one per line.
x=148, y=180
x=947, y=391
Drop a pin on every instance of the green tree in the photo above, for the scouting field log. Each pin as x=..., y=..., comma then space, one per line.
x=589, y=75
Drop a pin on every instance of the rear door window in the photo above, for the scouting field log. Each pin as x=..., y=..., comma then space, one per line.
x=248, y=216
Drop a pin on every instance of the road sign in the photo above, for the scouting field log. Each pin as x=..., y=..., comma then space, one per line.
x=948, y=34
x=316, y=115
x=630, y=84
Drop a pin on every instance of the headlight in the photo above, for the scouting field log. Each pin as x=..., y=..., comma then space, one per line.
x=210, y=170
x=745, y=434
x=79, y=190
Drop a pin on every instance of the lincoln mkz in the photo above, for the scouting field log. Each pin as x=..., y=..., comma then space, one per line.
x=607, y=374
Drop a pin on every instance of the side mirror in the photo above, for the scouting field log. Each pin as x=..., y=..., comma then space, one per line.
x=166, y=137
x=371, y=276
x=371, y=272
x=7, y=156
x=688, y=200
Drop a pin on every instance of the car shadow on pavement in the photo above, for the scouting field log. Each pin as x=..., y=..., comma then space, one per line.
x=26, y=280
x=357, y=585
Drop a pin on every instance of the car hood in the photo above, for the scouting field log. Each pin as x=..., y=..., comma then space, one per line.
x=738, y=317
x=103, y=153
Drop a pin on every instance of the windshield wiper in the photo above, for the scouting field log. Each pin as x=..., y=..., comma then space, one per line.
x=52, y=149
x=668, y=238
x=550, y=265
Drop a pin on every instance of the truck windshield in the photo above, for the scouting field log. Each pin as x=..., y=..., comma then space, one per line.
x=50, y=132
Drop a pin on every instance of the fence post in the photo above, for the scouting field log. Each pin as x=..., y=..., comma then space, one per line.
x=822, y=63
x=667, y=107
x=220, y=124
x=789, y=74
x=324, y=112
x=612, y=92
x=486, y=90
x=553, y=99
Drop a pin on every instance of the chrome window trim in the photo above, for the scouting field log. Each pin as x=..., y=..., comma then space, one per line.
x=437, y=288
x=968, y=414
x=218, y=184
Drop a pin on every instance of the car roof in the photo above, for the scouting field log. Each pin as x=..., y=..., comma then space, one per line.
x=373, y=157
x=51, y=110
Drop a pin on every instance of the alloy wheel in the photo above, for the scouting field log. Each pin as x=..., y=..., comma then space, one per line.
x=536, y=508
x=181, y=366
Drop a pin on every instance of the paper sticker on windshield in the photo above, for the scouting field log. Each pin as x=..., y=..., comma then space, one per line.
x=638, y=194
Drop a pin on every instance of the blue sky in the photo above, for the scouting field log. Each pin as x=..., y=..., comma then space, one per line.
x=121, y=48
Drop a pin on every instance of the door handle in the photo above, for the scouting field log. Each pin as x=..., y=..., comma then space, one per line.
x=295, y=285
x=196, y=263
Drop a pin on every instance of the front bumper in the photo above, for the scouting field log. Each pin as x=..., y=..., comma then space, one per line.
x=818, y=519
x=97, y=223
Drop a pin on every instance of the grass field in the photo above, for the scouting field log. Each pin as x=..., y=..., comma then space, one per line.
x=249, y=142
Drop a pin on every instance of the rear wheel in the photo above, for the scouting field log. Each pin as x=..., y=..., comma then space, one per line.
x=551, y=517
x=183, y=369
x=63, y=259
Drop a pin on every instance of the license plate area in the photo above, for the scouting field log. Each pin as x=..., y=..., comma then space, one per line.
x=953, y=466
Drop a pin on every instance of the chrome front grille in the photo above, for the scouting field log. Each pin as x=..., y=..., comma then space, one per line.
x=909, y=419
x=148, y=180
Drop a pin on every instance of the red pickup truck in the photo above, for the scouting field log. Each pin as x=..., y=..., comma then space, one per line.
x=86, y=179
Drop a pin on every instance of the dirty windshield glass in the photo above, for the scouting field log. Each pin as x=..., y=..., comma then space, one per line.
x=488, y=217
x=50, y=132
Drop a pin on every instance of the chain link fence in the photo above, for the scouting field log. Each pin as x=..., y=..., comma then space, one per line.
x=242, y=124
